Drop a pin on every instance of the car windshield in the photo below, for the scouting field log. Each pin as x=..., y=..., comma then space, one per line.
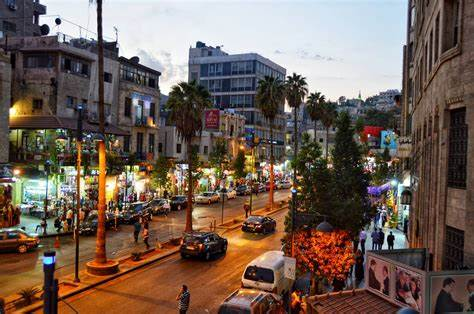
x=193, y=239
x=256, y=273
x=177, y=198
x=207, y=194
x=232, y=309
x=135, y=207
x=254, y=219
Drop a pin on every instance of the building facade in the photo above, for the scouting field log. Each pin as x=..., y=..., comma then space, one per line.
x=21, y=18
x=438, y=96
x=232, y=81
x=5, y=82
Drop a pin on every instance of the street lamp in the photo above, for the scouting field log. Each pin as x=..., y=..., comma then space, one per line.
x=78, y=188
x=325, y=226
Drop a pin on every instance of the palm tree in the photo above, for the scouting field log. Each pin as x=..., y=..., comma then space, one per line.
x=186, y=103
x=313, y=106
x=270, y=96
x=328, y=118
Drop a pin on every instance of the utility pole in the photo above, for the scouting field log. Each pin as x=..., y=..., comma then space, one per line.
x=78, y=189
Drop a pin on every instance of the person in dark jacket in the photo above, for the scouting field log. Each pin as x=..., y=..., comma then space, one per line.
x=386, y=281
x=390, y=240
x=470, y=291
x=183, y=298
x=373, y=282
x=359, y=266
x=445, y=302
x=136, y=230
x=381, y=239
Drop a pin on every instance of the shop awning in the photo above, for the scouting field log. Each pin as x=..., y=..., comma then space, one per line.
x=54, y=122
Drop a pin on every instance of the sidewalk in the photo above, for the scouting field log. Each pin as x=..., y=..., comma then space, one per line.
x=30, y=223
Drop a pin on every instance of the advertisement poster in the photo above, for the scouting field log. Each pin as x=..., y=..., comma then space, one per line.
x=451, y=293
x=212, y=119
x=379, y=275
x=409, y=288
x=388, y=140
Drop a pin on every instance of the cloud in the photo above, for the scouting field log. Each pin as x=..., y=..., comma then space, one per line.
x=171, y=73
x=278, y=52
x=308, y=55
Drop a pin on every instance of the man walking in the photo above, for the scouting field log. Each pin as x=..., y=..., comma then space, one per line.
x=146, y=235
x=362, y=238
x=183, y=299
x=375, y=239
x=136, y=230
x=390, y=240
x=381, y=238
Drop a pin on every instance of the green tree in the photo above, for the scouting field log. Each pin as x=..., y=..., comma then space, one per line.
x=219, y=156
x=328, y=117
x=269, y=99
x=386, y=119
x=159, y=175
x=186, y=105
x=239, y=165
x=313, y=107
x=351, y=207
x=296, y=89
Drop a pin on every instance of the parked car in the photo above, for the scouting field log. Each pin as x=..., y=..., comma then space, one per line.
x=242, y=190
x=16, y=239
x=251, y=301
x=228, y=194
x=259, y=224
x=178, y=202
x=207, y=198
x=133, y=213
x=278, y=185
x=203, y=244
x=158, y=206
x=285, y=184
x=89, y=225
x=266, y=272
x=261, y=187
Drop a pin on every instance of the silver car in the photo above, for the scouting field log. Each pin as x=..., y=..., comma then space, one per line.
x=207, y=198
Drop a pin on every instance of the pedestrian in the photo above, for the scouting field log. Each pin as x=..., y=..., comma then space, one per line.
x=146, y=235
x=381, y=238
x=69, y=216
x=390, y=240
x=362, y=238
x=246, y=209
x=359, y=266
x=165, y=194
x=44, y=226
x=375, y=235
x=183, y=298
x=136, y=230
x=116, y=216
x=57, y=224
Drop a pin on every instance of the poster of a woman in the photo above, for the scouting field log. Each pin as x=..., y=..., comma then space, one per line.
x=408, y=288
x=379, y=275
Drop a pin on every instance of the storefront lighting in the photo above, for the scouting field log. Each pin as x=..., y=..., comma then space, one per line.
x=16, y=172
x=394, y=182
x=61, y=138
x=13, y=112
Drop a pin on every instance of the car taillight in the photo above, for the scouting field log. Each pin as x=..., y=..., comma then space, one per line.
x=201, y=246
x=182, y=241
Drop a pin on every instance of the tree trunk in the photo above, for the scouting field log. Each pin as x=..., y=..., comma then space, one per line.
x=327, y=143
x=100, y=252
x=272, y=161
x=189, y=208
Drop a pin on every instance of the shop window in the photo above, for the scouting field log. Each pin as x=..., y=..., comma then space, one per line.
x=453, y=249
x=457, y=161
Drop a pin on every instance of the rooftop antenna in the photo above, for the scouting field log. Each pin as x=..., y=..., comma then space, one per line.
x=116, y=34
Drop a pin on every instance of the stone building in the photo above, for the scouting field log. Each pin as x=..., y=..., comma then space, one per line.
x=438, y=96
x=5, y=80
x=21, y=18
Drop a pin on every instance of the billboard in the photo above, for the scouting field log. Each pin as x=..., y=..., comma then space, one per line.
x=388, y=139
x=409, y=288
x=451, y=292
x=211, y=120
x=379, y=275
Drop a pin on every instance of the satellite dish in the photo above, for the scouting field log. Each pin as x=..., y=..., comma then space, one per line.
x=57, y=21
x=44, y=29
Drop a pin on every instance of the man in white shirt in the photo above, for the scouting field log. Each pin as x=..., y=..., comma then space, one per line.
x=362, y=238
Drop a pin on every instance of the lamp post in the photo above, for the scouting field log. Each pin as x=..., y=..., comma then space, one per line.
x=255, y=140
x=47, y=169
x=50, y=288
x=78, y=189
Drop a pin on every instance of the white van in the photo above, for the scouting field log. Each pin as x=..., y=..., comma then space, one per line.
x=267, y=272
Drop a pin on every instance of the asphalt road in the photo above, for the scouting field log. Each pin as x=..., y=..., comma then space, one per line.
x=18, y=271
x=153, y=289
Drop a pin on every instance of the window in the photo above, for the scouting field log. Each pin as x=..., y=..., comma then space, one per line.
x=160, y=147
x=126, y=143
x=194, y=76
x=128, y=107
x=37, y=104
x=206, y=150
x=138, y=76
x=107, y=77
x=70, y=102
x=38, y=61
x=178, y=148
x=451, y=24
x=151, y=143
x=453, y=249
x=321, y=140
x=457, y=160
x=412, y=16
x=436, y=40
x=76, y=66
x=9, y=26
x=215, y=69
x=139, y=142
x=152, y=111
x=431, y=44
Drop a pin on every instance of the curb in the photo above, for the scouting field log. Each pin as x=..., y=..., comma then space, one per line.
x=39, y=305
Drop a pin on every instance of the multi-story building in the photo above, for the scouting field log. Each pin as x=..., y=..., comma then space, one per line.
x=5, y=82
x=139, y=107
x=437, y=111
x=21, y=18
x=232, y=81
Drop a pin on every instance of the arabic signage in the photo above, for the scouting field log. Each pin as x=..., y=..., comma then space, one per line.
x=212, y=119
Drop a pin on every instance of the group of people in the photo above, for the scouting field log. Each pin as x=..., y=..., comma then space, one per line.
x=378, y=239
x=9, y=215
x=137, y=226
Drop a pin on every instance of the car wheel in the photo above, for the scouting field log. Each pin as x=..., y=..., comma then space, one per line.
x=207, y=256
x=183, y=256
x=22, y=249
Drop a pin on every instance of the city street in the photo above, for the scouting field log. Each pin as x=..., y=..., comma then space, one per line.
x=154, y=288
x=22, y=271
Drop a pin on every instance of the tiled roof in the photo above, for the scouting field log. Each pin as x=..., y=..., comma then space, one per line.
x=353, y=302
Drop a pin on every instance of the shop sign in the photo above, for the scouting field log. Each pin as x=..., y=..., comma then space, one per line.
x=212, y=119
x=290, y=268
x=404, y=147
x=388, y=139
